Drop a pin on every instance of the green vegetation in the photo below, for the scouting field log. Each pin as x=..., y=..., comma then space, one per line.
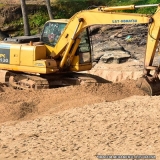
x=37, y=21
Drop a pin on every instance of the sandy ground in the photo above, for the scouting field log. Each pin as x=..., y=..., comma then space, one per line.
x=79, y=122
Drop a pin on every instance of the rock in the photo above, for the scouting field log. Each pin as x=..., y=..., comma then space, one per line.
x=94, y=29
x=116, y=56
x=112, y=36
x=119, y=35
x=107, y=58
x=106, y=46
x=120, y=32
x=97, y=56
x=110, y=52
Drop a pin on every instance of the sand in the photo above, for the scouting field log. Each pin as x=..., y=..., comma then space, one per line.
x=79, y=122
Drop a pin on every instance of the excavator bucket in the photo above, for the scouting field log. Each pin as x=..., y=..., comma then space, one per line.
x=150, y=87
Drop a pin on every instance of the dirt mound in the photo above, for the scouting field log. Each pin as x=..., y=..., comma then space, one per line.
x=124, y=127
x=23, y=105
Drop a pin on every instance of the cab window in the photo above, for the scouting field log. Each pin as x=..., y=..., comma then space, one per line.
x=52, y=32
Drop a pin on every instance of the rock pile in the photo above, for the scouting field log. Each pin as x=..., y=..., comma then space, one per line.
x=118, y=43
x=115, y=44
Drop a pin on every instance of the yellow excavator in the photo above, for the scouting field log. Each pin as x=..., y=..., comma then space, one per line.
x=65, y=49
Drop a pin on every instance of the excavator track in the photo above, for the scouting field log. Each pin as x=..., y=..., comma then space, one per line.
x=27, y=82
x=23, y=81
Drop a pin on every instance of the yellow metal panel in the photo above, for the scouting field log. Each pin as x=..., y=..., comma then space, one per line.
x=30, y=69
x=153, y=38
x=81, y=67
x=75, y=66
x=15, y=54
x=75, y=60
x=40, y=63
x=47, y=63
x=85, y=67
x=27, y=55
x=40, y=52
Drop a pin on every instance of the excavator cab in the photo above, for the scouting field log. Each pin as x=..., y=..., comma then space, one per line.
x=79, y=56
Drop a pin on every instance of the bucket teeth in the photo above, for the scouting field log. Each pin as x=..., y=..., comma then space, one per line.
x=150, y=87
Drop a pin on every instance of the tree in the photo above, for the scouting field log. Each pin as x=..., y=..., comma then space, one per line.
x=48, y=4
x=25, y=18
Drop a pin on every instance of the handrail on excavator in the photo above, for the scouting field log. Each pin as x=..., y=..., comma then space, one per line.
x=147, y=5
x=130, y=7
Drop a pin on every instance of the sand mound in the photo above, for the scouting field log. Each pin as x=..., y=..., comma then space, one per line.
x=124, y=127
x=20, y=104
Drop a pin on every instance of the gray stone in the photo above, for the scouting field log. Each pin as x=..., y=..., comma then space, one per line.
x=116, y=56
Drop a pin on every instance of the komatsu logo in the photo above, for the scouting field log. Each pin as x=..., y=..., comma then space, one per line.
x=39, y=64
x=2, y=55
x=125, y=21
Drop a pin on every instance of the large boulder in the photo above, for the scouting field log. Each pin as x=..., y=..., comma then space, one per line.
x=109, y=52
x=116, y=56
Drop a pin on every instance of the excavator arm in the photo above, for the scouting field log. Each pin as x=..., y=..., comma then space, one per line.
x=152, y=41
x=150, y=82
